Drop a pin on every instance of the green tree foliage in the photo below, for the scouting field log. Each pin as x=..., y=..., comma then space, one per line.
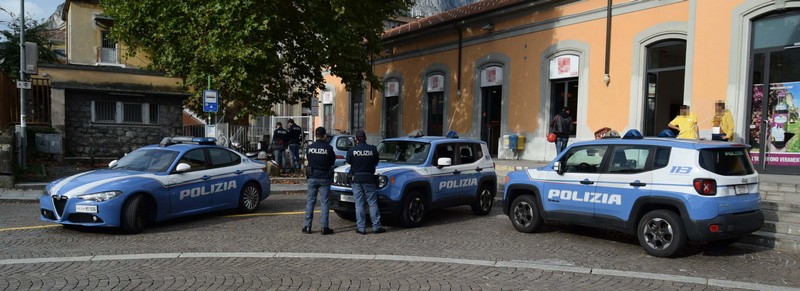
x=258, y=52
x=9, y=44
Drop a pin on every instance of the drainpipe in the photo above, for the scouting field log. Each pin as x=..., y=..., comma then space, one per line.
x=458, y=74
x=606, y=76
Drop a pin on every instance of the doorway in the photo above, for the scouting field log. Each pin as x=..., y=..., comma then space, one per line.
x=773, y=120
x=392, y=118
x=490, y=116
x=435, y=114
x=564, y=93
x=666, y=74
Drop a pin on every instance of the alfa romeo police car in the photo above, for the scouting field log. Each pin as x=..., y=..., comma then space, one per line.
x=419, y=174
x=178, y=177
x=665, y=191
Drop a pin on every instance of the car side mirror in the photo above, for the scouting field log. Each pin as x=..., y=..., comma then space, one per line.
x=182, y=167
x=443, y=162
x=112, y=164
x=557, y=167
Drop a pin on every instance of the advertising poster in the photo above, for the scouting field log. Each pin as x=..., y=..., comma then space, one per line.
x=782, y=129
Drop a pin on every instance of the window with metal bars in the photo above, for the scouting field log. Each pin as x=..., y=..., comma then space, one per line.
x=105, y=111
x=109, y=111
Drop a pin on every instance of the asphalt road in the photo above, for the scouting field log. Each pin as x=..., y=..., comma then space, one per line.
x=454, y=250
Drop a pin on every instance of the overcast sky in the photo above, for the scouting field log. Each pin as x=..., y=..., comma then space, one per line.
x=37, y=9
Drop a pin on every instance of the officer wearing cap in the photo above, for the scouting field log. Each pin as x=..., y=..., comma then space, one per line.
x=362, y=159
x=320, y=158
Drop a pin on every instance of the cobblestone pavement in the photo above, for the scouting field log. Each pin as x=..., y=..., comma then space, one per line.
x=455, y=250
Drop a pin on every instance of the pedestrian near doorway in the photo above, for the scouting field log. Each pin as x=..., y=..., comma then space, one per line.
x=363, y=158
x=685, y=123
x=562, y=127
x=279, y=139
x=295, y=136
x=722, y=123
x=320, y=174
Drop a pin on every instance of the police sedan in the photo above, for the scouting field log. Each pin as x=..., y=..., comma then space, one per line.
x=178, y=177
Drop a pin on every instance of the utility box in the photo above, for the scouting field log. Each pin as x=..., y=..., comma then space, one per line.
x=512, y=141
x=520, y=142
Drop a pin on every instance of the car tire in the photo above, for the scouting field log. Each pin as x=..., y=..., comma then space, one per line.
x=524, y=214
x=483, y=201
x=414, y=209
x=661, y=233
x=133, y=215
x=249, y=198
x=346, y=215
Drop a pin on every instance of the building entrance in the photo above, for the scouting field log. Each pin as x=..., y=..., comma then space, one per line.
x=774, y=131
x=490, y=116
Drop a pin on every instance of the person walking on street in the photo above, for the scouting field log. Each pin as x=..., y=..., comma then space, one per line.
x=685, y=123
x=562, y=127
x=723, y=119
x=279, y=139
x=363, y=158
x=295, y=136
x=319, y=173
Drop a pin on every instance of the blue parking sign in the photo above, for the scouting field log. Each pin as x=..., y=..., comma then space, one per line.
x=210, y=100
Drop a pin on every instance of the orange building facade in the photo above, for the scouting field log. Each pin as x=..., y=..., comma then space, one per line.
x=495, y=69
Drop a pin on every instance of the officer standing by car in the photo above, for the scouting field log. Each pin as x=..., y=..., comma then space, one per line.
x=362, y=159
x=295, y=135
x=279, y=138
x=319, y=173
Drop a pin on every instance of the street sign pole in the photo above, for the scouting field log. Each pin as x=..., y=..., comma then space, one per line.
x=23, y=141
x=209, y=88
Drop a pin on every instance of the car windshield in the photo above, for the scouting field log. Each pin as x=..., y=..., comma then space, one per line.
x=403, y=152
x=146, y=160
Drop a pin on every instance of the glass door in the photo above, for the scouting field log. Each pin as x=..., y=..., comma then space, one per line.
x=775, y=82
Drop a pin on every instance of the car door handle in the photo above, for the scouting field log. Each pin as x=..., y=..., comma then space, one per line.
x=456, y=172
x=638, y=184
x=587, y=182
x=237, y=172
x=478, y=169
x=206, y=177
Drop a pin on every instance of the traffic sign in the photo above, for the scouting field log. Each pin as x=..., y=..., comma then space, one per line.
x=23, y=85
x=210, y=100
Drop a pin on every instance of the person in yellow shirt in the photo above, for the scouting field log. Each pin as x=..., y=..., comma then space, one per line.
x=724, y=120
x=685, y=123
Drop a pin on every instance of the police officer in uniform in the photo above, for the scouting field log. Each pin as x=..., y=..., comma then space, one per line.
x=362, y=159
x=320, y=158
x=280, y=137
x=294, y=137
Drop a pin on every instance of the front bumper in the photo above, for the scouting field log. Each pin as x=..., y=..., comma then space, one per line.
x=74, y=211
x=730, y=226
x=337, y=203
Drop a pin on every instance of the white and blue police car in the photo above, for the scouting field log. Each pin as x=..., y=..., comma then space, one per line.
x=422, y=173
x=178, y=177
x=663, y=190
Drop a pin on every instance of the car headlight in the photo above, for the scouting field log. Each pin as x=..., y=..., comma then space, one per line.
x=45, y=192
x=335, y=178
x=382, y=181
x=102, y=196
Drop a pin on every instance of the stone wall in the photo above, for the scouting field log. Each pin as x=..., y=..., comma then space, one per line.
x=84, y=138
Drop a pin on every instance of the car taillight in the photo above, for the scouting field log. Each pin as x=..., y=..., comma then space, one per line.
x=339, y=157
x=707, y=187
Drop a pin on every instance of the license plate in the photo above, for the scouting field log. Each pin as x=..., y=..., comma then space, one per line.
x=741, y=189
x=86, y=208
x=347, y=198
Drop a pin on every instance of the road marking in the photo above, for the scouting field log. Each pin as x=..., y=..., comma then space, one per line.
x=227, y=216
x=27, y=227
x=270, y=214
x=443, y=260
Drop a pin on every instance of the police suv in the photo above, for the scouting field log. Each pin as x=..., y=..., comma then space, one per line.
x=178, y=177
x=422, y=173
x=665, y=191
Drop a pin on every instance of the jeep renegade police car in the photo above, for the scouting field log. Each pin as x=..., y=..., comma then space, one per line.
x=179, y=177
x=664, y=191
x=418, y=174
